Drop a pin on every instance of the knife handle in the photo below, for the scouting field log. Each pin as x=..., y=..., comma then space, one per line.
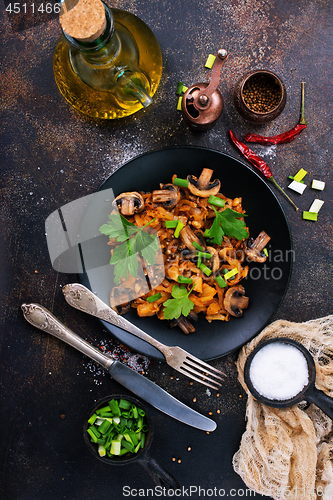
x=42, y=318
x=84, y=300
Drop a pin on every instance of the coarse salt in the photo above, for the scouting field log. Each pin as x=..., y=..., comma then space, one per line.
x=279, y=371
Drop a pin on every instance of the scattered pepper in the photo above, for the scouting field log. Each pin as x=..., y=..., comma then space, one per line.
x=288, y=136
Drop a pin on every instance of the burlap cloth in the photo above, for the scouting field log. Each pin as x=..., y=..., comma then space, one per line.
x=287, y=454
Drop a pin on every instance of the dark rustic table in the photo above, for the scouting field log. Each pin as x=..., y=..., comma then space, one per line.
x=51, y=155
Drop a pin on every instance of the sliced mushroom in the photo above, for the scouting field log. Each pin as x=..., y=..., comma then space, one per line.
x=168, y=195
x=235, y=301
x=215, y=260
x=183, y=323
x=203, y=186
x=188, y=237
x=254, y=248
x=129, y=203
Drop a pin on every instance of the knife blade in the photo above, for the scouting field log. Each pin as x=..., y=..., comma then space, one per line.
x=42, y=318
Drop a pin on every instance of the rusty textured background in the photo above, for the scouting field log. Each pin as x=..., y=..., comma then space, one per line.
x=51, y=155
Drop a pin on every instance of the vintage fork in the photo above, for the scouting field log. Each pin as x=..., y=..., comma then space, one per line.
x=82, y=298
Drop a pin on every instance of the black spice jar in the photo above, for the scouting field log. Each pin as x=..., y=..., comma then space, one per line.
x=260, y=96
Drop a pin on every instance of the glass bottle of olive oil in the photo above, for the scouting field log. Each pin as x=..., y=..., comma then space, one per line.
x=113, y=75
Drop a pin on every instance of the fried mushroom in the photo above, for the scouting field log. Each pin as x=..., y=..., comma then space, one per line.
x=129, y=203
x=203, y=187
x=235, y=301
x=168, y=195
x=254, y=248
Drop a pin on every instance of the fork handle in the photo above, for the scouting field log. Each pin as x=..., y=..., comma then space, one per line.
x=81, y=298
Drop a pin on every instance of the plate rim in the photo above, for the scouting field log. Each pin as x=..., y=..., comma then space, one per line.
x=159, y=356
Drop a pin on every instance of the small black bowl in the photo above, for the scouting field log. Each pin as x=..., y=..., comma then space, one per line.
x=159, y=475
x=309, y=392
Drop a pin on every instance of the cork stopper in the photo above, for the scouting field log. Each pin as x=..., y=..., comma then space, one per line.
x=83, y=19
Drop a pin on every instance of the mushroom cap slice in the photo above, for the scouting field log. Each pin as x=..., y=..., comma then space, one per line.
x=254, y=248
x=129, y=203
x=204, y=187
x=235, y=301
x=168, y=195
x=188, y=237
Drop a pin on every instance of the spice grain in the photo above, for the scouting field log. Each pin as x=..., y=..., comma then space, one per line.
x=262, y=93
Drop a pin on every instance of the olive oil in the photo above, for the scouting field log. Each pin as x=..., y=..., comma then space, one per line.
x=116, y=80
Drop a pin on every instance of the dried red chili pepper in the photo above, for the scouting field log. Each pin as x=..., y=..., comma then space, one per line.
x=258, y=162
x=288, y=136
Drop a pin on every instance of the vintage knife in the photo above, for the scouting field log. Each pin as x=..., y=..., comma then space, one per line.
x=43, y=319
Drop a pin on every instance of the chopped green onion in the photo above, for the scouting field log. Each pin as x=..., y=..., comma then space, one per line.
x=115, y=447
x=153, y=298
x=210, y=61
x=179, y=90
x=135, y=412
x=104, y=427
x=119, y=435
x=123, y=451
x=205, y=270
x=92, y=435
x=179, y=227
x=231, y=273
x=181, y=182
x=187, y=281
x=101, y=450
x=171, y=224
x=205, y=255
x=92, y=419
x=124, y=404
x=126, y=444
x=179, y=103
x=95, y=431
x=310, y=216
x=137, y=448
x=316, y=206
x=320, y=185
x=105, y=414
x=293, y=178
x=103, y=410
x=300, y=174
x=214, y=200
x=114, y=406
x=199, y=261
x=197, y=246
x=220, y=281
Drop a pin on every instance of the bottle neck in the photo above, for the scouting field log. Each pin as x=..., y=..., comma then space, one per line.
x=103, y=48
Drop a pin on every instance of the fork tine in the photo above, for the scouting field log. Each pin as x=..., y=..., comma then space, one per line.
x=197, y=363
x=189, y=373
x=204, y=376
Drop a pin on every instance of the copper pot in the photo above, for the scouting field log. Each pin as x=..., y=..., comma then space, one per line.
x=266, y=102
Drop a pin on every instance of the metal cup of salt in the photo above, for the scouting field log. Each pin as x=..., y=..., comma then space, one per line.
x=281, y=372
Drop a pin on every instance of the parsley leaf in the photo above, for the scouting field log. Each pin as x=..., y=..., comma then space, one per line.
x=135, y=241
x=179, y=305
x=227, y=222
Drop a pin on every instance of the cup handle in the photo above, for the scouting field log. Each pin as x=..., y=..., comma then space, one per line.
x=324, y=402
x=159, y=475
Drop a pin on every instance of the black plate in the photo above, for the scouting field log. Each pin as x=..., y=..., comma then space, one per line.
x=266, y=283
